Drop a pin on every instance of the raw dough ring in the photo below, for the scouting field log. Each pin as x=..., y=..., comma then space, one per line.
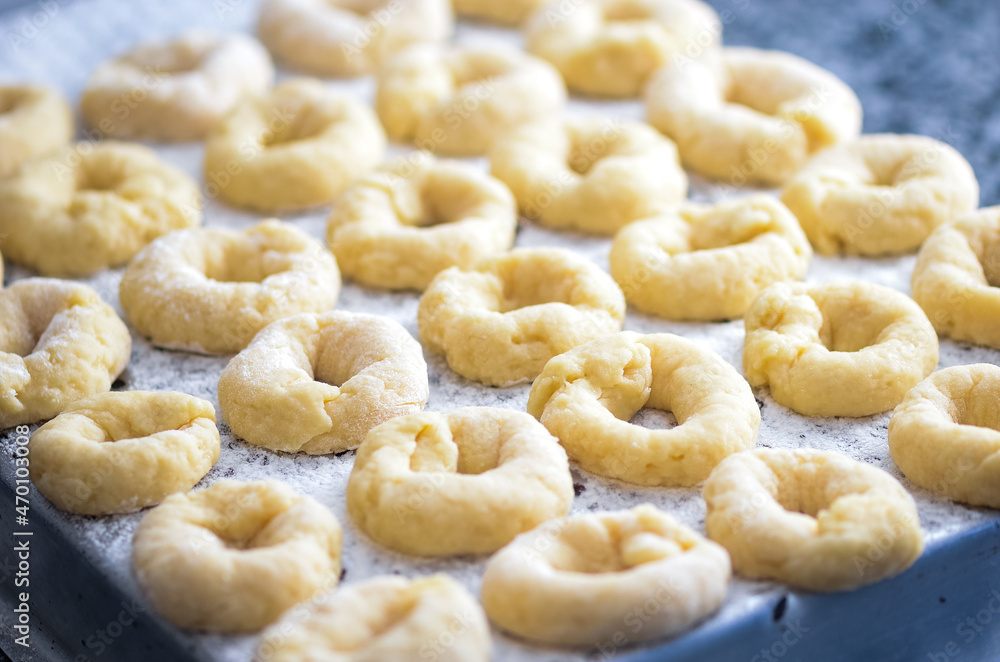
x=456, y=101
x=300, y=147
x=318, y=383
x=349, y=37
x=234, y=556
x=90, y=207
x=410, y=220
x=580, y=579
x=509, y=12
x=176, y=89
x=33, y=121
x=500, y=322
x=589, y=174
x=587, y=396
x=843, y=349
x=385, y=618
x=957, y=278
x=810, y=518
x=880, y=194
x=211, y=290
x=610, y=48
x=466, y=482
x=945, y=435
x=58, y=343
x=747, y=115
x=706, y=262
x=122, y=451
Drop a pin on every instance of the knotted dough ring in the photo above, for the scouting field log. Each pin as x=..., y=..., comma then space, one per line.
x=33, y=121
x=579, y=580
x=587, y=396
x=234, y=556
x=90, y=207
x=466, y=482
x=385, y=618
x=845, y=349
x=945, y=435
x=318, y=383
x=58, y=343
x=706, y=262
x=810, y=518
x=456, y=101
x=211, y=290
x=500, y=322
x=610, y=48
x=589, y=174
x=957, y=278
x=402, y=225
x=122, y=451
x=176, y=89
x=880, y=194
x=300, y=147
x=747, y=115
x=349, y=37
x=509, y=12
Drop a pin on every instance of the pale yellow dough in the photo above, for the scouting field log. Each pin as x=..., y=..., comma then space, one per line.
x=415, y=217
x=175, y=89
x=589, y=174
x=706, y=262
x=384, y=618
x=458, y=100
x=123, y=451
x=58, y=343
x=234, y=556
x=610, y=48
x=605, y=579
x=882, y=193
x=813, y=519
x=957, y=278
x=466, y=482
x=349, y=37
x=33, y=121
x=211, y=290
x=587, y=396
x=743, y=115
x=843, y=349
x=299, y=147
x=89, y=207
x=945, y=435
x=507, y=12
x=317, y=383
x=500, y=322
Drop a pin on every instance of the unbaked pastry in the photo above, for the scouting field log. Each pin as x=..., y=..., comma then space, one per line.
x=466, y=482
x=299, y=147
x=708, y=262
x=415, y=217
x=234, y=556
x=593, y=578
x=881, y=193
x=89, y=207
x=119, y=452
x=58, y=343
x=842, y=349
x=317, y=383
x=175, y=89
x=587, y=396
x=814, y=519
x=501, y=321
x=211, y=290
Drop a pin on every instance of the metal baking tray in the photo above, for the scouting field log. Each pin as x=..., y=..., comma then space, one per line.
x=918, y=67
